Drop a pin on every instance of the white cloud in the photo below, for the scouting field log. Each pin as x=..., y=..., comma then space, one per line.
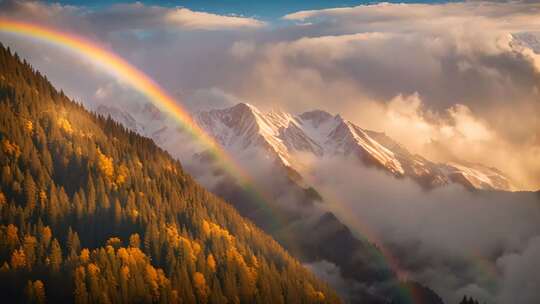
x=209, y=99
x=242, y=49
x=450, y=239
x=456, y=134
x=202, y=20
x=124, y=16
x=520, y=280
x=146, y=17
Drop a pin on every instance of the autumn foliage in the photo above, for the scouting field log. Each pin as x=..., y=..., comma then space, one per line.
x=93, y=213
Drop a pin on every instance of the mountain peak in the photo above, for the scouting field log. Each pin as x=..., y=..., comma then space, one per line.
x=316, y=116
x=244, y=112
x=243, y=107
x=153, y=112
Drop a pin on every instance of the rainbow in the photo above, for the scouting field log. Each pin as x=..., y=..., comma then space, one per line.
x=128, y=74
x=121, y=69
x=486, y=268
x=133, y=77
x=408, y=294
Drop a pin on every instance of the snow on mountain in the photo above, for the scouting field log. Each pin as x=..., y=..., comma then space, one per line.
x=243, y=127
x=149, y=121
x=320, y=134
x=315, y=135
x=478, y=176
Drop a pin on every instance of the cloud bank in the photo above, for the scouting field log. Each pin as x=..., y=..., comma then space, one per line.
x=456, y=242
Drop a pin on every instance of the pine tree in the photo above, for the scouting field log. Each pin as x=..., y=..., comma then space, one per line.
x=81, y=293
x=29, y=191
x=135, y=241
x=55, y=256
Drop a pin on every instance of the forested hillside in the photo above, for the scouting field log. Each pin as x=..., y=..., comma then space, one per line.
x=91, y=212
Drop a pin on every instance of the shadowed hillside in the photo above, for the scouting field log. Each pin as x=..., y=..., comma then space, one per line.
x=91, y=212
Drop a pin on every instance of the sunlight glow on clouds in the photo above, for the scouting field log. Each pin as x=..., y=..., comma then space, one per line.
x=476, y=82
x=201, y=20
x=454, y=135
x=131, y=16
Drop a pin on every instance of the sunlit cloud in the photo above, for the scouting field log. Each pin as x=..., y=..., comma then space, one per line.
x=201, y=20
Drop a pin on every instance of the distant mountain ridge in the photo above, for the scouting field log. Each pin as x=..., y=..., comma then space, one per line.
x=289, y=138
x=318, y=134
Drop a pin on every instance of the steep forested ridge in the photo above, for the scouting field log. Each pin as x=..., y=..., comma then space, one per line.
x=90, y=212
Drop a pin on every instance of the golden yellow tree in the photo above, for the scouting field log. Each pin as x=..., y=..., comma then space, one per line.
x=18, y=259
x=199, y=282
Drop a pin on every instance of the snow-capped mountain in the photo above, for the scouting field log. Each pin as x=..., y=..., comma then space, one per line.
x=296, y=140
x=244, y=127
x=315, y=135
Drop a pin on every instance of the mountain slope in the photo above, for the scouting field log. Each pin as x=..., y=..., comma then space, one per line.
x=287, y=144
x=91, y=212
x=305, y=228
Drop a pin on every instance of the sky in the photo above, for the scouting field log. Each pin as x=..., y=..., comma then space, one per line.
x=452, y=81
x=266, y=10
